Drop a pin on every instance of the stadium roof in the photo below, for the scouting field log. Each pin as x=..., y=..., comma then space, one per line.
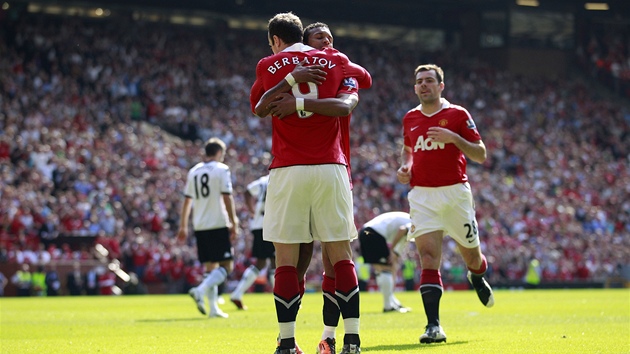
x=427, y=13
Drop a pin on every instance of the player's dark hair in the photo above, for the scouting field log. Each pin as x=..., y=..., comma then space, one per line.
x=213, y=146
x=428, y=67
x=286, y=26
x=310, y=28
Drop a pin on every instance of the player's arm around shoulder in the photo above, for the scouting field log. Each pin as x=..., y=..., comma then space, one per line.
x=340, y=106
x=300, y=74
x=351, y=69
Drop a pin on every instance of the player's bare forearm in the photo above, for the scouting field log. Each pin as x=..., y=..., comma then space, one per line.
x=262, y=110
x=340, y=106
x=406, y=161
x=250, y=203
x=301, y=73
x=476, y=151
x=402, y=232
x=182, y=233
x=228, y=200
x=311, y=73
x=333, y=107
x=406, y=157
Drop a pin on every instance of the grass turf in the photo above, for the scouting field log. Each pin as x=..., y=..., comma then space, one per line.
x=531, y=321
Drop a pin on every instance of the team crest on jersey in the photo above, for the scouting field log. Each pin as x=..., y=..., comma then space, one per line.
x=470, y=123
x=443, y=122
x=350, y=82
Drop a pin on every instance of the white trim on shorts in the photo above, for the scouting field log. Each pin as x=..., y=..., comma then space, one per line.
x=309, y=202
x=450, y=209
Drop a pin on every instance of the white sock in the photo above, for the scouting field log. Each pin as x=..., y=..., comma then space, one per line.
x=216, y=277
x=272, y=277
x=385, y=282
x=249, y=277
x=329, y=332
x=287, y=330
x=394, y=301
x=351, y=325
x=213, y=294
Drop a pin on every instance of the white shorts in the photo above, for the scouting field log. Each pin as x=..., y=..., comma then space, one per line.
x=309, y=202
x=450, y=209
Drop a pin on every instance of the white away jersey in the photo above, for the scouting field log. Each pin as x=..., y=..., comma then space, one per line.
x=258, y=190
x=206, y=183
x=387, y=224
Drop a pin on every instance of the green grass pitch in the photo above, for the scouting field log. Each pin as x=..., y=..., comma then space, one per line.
x=529, y=321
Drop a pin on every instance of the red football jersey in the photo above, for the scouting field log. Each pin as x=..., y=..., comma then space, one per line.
x=350, y=69
x=303, y=138
x=438, y=164
x=348, y=86
x=255, y=93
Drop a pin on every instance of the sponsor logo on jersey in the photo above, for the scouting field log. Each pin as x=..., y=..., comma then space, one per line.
x=427, y=144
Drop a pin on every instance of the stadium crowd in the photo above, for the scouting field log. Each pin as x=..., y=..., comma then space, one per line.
x=102, y=118
x=604, y=51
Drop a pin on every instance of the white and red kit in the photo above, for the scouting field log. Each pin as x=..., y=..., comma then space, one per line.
x=303, y=199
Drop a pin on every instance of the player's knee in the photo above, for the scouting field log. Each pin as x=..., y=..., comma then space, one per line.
x=430, y=260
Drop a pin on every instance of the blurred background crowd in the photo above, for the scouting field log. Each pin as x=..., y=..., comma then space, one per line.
x=101, y=119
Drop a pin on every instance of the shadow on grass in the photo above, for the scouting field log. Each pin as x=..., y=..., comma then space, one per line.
x=400, y=347
x=152, y=320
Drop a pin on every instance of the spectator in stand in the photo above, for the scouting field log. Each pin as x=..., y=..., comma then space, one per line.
x=3, y=283
x=53, y=283
x=176, y=275
x=153, y=272
x=75, y=280
x=140, y=256
x=106, y=281
x=193, y=274
x=92, y=284
x=48, y=230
